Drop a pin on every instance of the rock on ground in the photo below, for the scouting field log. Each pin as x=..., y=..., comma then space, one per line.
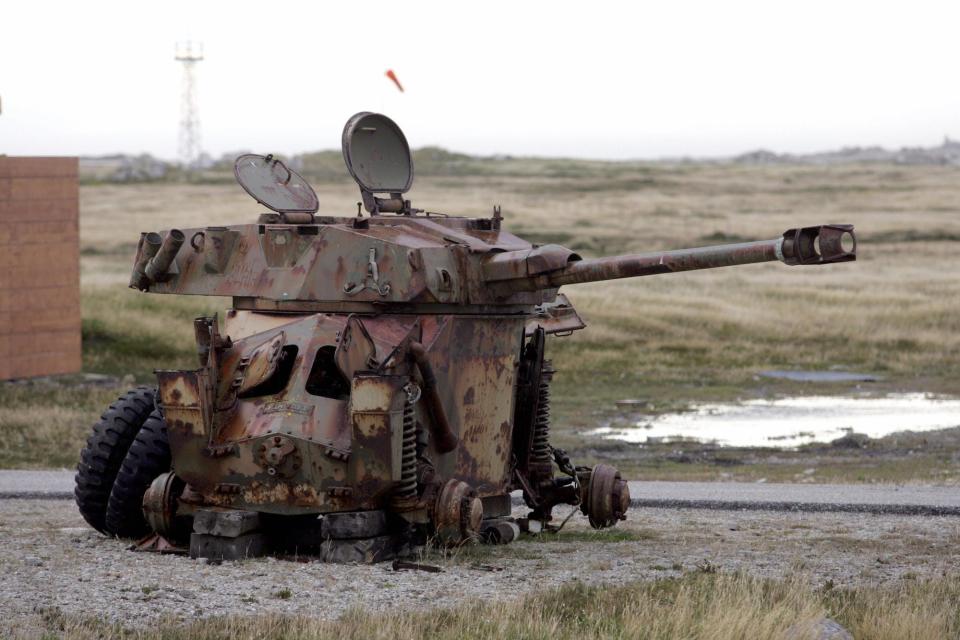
x=52, y=560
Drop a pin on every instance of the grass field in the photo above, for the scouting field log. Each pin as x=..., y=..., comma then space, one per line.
x=673, y=339
x=700, y=605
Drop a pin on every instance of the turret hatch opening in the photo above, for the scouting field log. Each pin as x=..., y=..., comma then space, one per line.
x=275, y=185
x=378, y=157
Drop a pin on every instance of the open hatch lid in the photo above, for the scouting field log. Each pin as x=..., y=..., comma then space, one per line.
x=274, y=185
x=377, y=154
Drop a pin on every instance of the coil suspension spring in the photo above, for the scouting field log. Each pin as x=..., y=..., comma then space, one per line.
x=407, y=487
x=541, y=451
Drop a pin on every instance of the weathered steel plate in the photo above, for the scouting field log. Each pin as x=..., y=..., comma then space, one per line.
x=377, y=153
x=274, y=185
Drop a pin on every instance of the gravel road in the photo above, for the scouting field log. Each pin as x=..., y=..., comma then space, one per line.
x=736, y=496
x=851, y=498
x=36, y=484
x=53, y=562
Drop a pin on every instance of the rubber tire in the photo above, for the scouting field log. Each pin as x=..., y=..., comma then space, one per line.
x=105, y=450
x=148, y=457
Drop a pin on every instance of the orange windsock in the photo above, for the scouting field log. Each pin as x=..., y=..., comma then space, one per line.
x=393, y=76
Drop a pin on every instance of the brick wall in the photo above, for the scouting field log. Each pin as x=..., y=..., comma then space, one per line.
x=39, y=267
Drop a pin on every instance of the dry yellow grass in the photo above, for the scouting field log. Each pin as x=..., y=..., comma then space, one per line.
x=893, y=312
x=46, y=426
x=676, y=338
x=697, y=606
x=681, y=337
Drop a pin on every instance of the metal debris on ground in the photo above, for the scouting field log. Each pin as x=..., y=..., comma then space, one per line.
x=402, y=565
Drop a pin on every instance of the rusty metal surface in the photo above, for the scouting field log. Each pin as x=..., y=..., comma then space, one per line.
x=826, y=244
x=377, y=154
x=274, y=185
x=431, y=261
x=376, y=410
x=342, y=449
x=444, y=438
x=385, y=261
x=646, y=264
x=147, y=249
x=607, y=497
x=555, y=318
x=458, y=513
x=160, y=266
x=355, y=350
x=510, y=265
x=260, y=364
x=390, y=362
x=160, y=504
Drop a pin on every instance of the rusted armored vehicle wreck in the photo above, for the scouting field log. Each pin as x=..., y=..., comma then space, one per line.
x=380, y=379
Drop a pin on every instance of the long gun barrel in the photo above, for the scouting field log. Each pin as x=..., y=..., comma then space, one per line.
x=805, y=246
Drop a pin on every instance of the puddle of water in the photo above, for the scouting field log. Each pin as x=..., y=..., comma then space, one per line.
x=789, y=422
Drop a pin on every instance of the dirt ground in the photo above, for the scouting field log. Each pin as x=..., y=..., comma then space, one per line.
x=54, y=562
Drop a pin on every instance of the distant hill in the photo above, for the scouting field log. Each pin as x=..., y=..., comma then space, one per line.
x=328, y=165
x=436, y=161
x=124, y=168
x=948, y=153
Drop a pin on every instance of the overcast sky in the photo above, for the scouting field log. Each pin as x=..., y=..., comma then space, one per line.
x=586, y=79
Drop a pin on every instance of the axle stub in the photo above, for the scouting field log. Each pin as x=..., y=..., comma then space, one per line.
x=160, y=505
x=607, y=497
x=458, y=513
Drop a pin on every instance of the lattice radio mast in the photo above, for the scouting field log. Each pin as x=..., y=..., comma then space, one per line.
x=189, y=54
